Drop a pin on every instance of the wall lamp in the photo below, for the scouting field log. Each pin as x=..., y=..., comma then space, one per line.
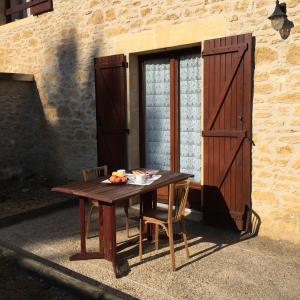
x=279, y=20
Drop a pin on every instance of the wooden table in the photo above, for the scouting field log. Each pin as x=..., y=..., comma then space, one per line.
x=108, y=196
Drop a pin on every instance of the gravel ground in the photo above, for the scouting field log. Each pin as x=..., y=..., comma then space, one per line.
x=15, y=283
x=18, y=196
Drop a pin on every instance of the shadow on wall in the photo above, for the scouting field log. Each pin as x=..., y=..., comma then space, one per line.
x=23, y=132
x=67, y=85
x=48, y=128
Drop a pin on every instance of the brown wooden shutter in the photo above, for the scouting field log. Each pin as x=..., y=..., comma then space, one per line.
x=40, y=6
x=111, y=111
x=227, y=130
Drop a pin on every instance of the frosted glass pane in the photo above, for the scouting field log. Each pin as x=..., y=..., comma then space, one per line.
x=190, y=115
x=157, y=114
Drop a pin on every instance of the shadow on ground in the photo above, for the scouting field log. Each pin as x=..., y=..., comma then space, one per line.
x=198, y=233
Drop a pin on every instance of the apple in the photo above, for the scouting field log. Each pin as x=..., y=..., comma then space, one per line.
x=112, y=178
x=118, y=179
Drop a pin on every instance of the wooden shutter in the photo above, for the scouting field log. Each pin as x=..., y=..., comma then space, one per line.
x=40, y=6
x=111, y=111
x=227, y=130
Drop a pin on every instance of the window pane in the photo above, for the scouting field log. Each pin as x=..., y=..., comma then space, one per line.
x=157, y=114
x=190, y=115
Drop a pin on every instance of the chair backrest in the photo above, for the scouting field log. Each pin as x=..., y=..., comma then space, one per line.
x=93, y=173
x=178, y=194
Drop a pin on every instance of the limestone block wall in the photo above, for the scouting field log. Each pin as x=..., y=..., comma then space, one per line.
x=59, y=47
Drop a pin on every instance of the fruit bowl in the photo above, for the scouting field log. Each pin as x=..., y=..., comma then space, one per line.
x=117, y=180
x=117, y=183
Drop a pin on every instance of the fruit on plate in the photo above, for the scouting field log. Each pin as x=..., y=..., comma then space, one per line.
x=117, y=179
x=117, y=174
x=112, y=178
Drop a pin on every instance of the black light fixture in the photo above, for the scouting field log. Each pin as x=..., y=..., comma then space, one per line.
x=279, y=20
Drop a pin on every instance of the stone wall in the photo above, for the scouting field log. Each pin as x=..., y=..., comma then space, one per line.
x=25, y=140
x=59, y=47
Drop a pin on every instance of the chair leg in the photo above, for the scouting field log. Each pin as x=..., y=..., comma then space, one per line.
x=156, y=236
x=126, y=220
x=183, y=229
x=171, y=242
x=89, y=222
x=141, y=239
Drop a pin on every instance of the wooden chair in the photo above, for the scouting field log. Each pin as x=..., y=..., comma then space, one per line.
x=166, y=218
x=93, y=173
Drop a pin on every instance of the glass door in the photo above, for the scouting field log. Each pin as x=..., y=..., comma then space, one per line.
x=170, y=107
x=157, y=113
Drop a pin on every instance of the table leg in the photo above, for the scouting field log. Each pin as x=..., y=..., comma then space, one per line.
x=149, y=202
x=110, y=231
x=82, y=225
x=83, y=255
x=100, y=229
x=154, y=205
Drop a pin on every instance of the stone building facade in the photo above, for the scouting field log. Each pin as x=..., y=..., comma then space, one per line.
x=58, y=48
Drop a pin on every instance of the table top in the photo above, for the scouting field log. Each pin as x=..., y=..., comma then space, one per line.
x=110, y=193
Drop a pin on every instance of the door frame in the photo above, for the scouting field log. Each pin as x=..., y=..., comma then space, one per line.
x=174, y=96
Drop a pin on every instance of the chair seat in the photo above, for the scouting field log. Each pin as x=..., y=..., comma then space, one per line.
x=159, y=213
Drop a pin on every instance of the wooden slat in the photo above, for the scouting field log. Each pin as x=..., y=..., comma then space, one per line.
x=111, y=65
x=224, y=50
x=224, y=91
x=38, y=7
x=222, y=113
x=206, y=115
x=238, y=162
x=247, y=118
x=218, y=87
x=224, y=133
x=233, y=120
x=23, y=6
x=228, y=142
x=211, y=102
